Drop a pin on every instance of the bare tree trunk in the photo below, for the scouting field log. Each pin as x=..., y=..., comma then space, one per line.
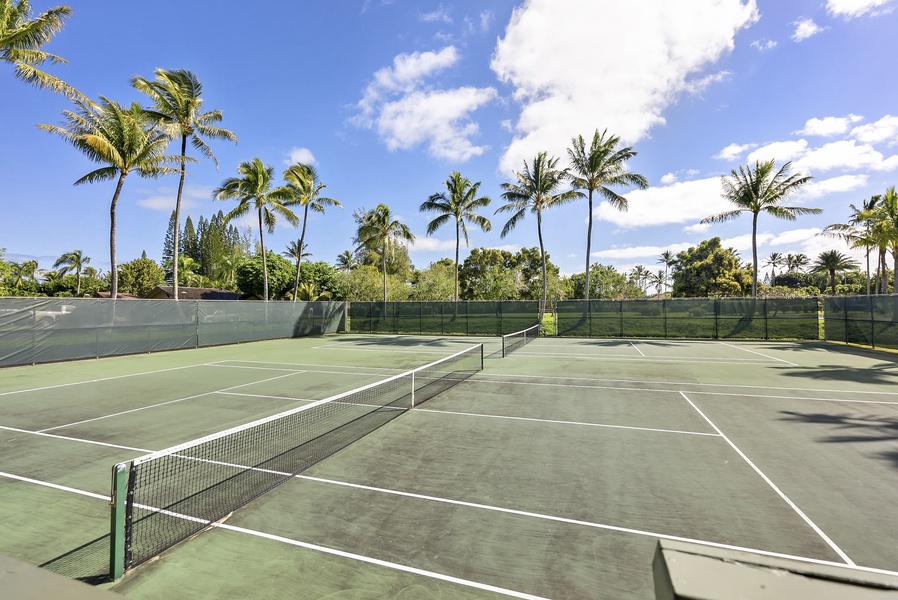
x=178, y=218
x=302, y=242
x=264, y=261
x=588, y=247
x=113, y=287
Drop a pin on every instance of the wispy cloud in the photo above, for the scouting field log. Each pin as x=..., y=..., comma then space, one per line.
x=763, y=45
x=734, y=151
x=805, y=28
x=850, y=9
x=441, y=15
x=828, y=126
x=164, y=198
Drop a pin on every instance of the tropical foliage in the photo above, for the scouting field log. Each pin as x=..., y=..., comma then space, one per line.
x=380, y=232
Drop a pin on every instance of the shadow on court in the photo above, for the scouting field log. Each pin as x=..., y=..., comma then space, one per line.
x=853, y=428
x=882, y=373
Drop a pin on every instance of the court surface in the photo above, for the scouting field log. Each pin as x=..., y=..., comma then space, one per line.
x=550, y=474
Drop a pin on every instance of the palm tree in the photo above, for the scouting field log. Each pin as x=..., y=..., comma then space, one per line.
x=309, y=293
x=253, y=190
x=773, y=261
x=885, y=230
x=21, y=38
x=797, y=262
x=668, y=259
x=534, y=190
x=831, y=262
x=459, y=205
x=296, y=251
x=595, y=169
x=379, y=231
x=302, y=182
x=126, y=140
x=72, y=261
x=761, y=190
x=347, y=261
x=857, y=232
x=178, y=108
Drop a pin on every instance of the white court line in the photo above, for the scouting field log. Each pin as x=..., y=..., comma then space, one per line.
x=773, y=486
x=134, y=410
x=72, y=439
x=62, y=385
x=381, y=563
x=622, y=358
x=466, y=414
x=54, y=486
x=406, y=350
x=760, y=354
x=266, y=396
x=682, y=383
x=605, y=526
x=265, y=362
x=469, y=382
x=637, y=349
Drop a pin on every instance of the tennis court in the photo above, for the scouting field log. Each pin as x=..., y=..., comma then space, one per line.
x=551, y=473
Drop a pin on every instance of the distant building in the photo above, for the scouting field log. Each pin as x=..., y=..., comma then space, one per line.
x=120, y=296
x=166, y=292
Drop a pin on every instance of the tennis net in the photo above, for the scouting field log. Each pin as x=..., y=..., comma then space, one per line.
x=174, y=493
x=513, y=341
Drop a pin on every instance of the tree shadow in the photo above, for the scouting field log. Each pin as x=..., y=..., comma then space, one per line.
x=848, y=428
x=882, y=373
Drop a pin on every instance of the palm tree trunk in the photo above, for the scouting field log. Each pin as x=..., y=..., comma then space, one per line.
x=588, y=246
x=383, y=264
x=78, y=285
x=884, y=275
x=457, y=244
x=264, y=261
x=832, y=280
x=868, y=270
x=302, y=242
x=113, y=287
x=754, y=255
x=178, y=217
x=542, y=253
x=895, y=269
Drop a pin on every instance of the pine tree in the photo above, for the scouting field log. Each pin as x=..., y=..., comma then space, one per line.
x=190, y=241
x=168, y=248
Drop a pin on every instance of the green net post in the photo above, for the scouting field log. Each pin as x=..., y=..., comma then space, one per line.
x=117, y=521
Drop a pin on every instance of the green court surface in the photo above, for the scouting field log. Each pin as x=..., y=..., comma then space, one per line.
x=552, y=473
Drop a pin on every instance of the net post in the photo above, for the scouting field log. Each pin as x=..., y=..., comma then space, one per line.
x=481, y=357
x=117, y=521
x=413, y=389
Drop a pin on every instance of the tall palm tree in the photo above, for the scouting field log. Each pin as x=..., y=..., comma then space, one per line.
x=297, y=251
x=302, y=182
x=535, y=191
x=253, y=190
x=72, y=261
x=347, y=261
x=773, y=261
x=885, y=231
x=21, y=38
x=379, y=231
x=457, y=203
x=597, y=169
x=178, y=108
x=126, y=140
x=797, y=262
x=857, y=232
x=760, y=189
x=668, y=259
x=831, y=262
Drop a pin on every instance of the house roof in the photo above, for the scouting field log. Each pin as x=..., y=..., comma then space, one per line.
x=119, y=296
x=194, y=293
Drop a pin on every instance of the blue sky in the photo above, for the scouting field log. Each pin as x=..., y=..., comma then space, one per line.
x=387, y=97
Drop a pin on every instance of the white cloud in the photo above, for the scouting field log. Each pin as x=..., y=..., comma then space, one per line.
x=883, y=130
x=300, y=155
x=779, y=151
x=439, y=118
x=406, y=113
x=486, y=19
x=697, y=228
x=805, y=28
x=682, y=202
x=734, y=151
x=828, y=126
x=795, y=236
x=763, y=45
x=630, y=252
x=164, y=198
x=857, y=8
x=429, y=244
x=833, y=185
x=513, y=248
x=845, y=154
x=742, y=243
x=669, y=179
x=677, y=43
